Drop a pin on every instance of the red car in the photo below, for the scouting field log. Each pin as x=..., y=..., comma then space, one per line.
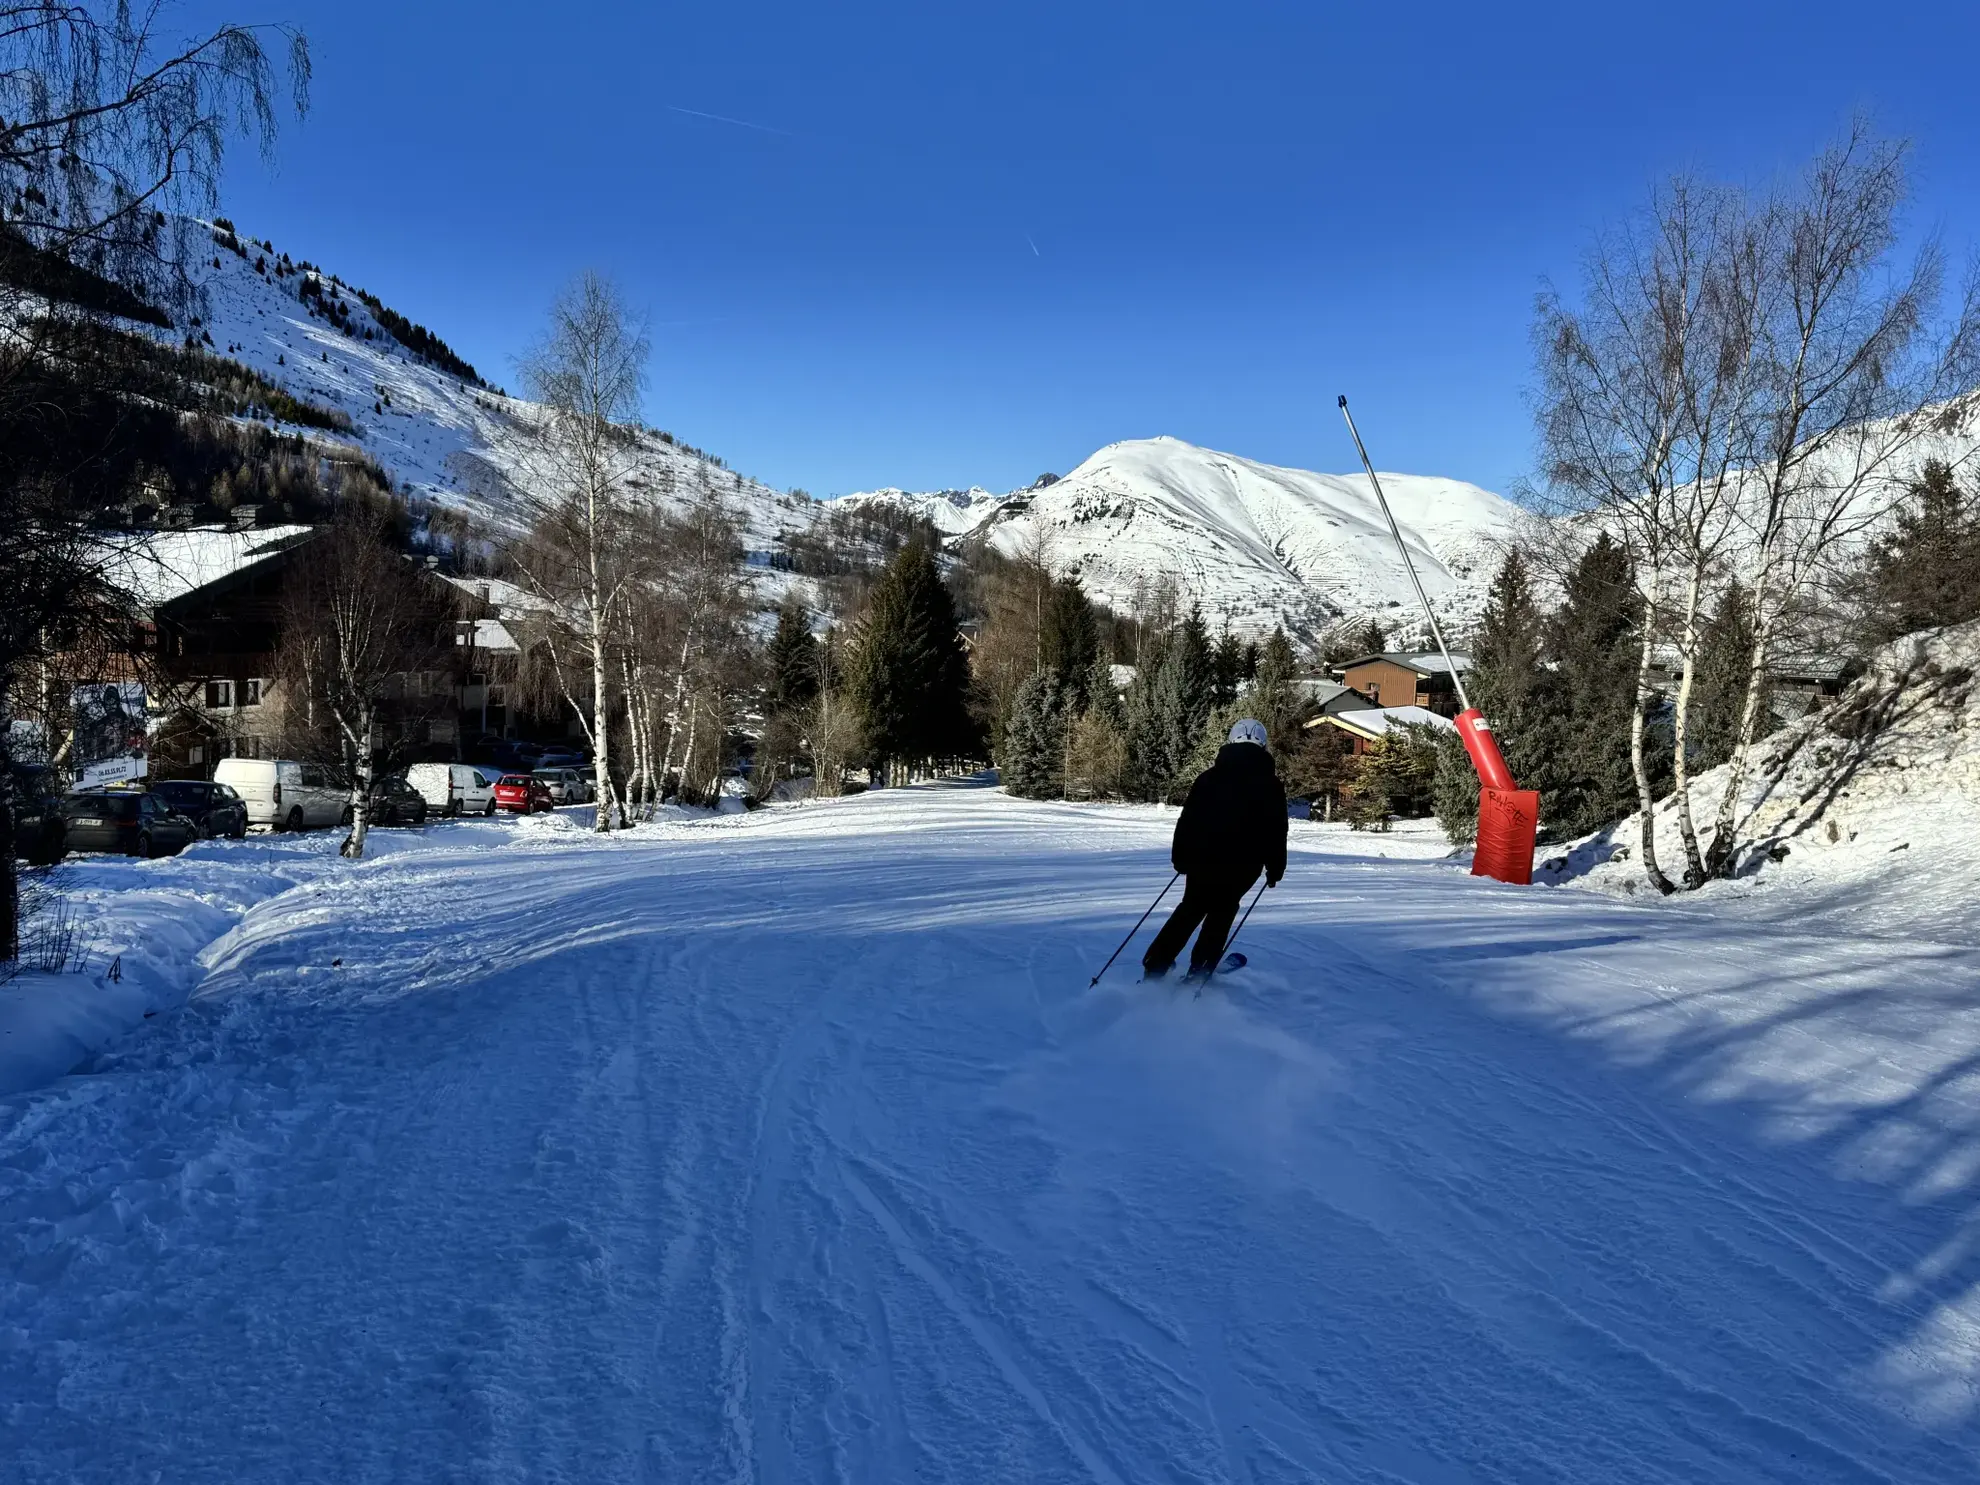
x=522, y=795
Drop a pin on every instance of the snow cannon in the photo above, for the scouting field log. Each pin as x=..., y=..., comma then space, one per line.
x=1508, y=815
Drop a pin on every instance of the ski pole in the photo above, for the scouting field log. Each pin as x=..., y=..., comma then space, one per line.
x=1232, y=939
x=1133, y=931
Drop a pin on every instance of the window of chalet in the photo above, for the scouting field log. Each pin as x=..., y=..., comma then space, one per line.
x=1374, y=694
x=219, y=695
x=251, y=691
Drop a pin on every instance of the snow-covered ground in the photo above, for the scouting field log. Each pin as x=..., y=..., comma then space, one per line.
x=1864, y=815
x=142, y=929
x=793, y=1146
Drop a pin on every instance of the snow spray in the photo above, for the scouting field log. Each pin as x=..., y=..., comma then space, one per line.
x=1507, y=814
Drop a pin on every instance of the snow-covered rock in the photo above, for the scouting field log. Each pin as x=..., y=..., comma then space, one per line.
x=1866, y=812
x=1256, y=543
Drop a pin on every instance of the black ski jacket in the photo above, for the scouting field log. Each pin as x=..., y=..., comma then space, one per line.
x=1234, y=821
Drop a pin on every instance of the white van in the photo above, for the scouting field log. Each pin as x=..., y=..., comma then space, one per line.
x=283, y=794
x=454, y=788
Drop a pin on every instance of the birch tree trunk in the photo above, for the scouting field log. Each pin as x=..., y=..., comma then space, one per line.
x=1719, y=855
x=1694, y=872
x=1646, y=800
x=362, y=740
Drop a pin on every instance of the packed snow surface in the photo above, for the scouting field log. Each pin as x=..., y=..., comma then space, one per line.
x=1253, y=542
x=793, y=1146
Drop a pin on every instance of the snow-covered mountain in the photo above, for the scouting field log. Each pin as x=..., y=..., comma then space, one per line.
x=1255, y=542
x=442, y=437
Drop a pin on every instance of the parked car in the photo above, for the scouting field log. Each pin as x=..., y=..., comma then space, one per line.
x=133, y=822
x=588, y=774
x=38, y=815
x=395, y=802
x=454, y=788
x=564, y=785
x=215, y=808
x=523, y=793
x=282, y=793
x=559, y=756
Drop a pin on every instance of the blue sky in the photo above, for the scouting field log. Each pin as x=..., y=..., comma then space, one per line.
x=950, y=245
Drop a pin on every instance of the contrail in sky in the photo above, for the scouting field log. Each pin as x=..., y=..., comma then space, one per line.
x=723, y=119
x=1034, y=246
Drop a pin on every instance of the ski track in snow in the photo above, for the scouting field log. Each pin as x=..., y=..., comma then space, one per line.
x=793, y=1147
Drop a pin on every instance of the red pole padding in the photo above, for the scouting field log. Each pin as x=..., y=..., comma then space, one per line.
x=1476, y=735
x=1507, y=819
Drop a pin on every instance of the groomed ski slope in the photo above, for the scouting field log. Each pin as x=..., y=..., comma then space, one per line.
x=793, y=1147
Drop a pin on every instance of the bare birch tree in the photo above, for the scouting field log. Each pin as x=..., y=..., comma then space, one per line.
x=1737, y=396
x=1644, y=388
x=362, y=629
x=1860, y=362
x=588, y=371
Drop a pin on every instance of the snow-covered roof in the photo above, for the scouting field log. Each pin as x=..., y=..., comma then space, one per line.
x=1423, y=662
x=506, y=598
x=1375, y=722
x=489, y=634
x=156, y=567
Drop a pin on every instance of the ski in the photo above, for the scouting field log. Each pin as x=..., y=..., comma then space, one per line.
x=1224, y=966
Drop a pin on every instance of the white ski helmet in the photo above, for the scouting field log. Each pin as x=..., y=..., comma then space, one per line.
x=1249, y=731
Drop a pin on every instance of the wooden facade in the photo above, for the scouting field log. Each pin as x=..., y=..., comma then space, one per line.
x=1404, y=680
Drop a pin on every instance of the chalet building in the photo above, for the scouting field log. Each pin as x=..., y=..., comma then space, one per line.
x=205, y=654
x=1361, y=727
x=1329, y=697
x=1405, y=680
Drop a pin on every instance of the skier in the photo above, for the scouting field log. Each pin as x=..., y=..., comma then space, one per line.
x=1233, y=825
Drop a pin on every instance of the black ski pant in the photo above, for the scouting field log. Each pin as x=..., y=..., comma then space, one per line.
x=1211, y=900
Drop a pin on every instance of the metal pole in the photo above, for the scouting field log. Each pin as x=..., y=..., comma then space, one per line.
x=1423, y=598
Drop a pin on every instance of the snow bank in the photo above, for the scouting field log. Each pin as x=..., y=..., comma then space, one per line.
x=1867, y=812
x=149, y=930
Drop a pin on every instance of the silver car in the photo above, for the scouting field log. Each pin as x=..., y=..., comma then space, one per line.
x=564, y=785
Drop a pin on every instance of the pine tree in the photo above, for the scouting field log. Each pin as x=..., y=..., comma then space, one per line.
x=1165, y=708
x=1097, y=751
x=1926, y=573
x=793, y=660
x=1069, y=640
x=1508, y=684
x=908, y=676
x=1033, y=755
x=1393, y=778
x=1275, y=697
x=1226, y=667
x=1581, y=743
x=1183, y=699
x=1370, y=640
x=1725, y=650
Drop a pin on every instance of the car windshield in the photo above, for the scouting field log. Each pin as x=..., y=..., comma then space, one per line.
x=180, y=793
x=225, y=791
x=514, y=781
